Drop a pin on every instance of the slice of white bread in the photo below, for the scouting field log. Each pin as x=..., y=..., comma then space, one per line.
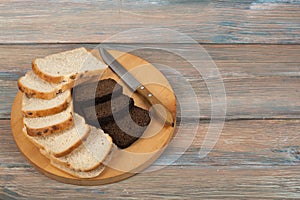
x=79, y=174
x=89, y=155
x=35, y=107
x=67, y=65
x=33, y=86
x=47, y=125
x=62, y=143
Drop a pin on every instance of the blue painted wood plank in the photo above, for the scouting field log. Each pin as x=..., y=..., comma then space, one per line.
x=227, y=21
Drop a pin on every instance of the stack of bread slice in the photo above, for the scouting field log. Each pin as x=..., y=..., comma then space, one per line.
x=50, y=123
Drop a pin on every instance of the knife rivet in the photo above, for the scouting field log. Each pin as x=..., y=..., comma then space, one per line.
x=149, y=95
x=142, y=87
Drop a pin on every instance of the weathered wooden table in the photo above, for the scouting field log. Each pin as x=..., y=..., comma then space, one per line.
x=255, y=45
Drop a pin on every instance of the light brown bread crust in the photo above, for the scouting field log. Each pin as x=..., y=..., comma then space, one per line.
x=50, y=111
x=63, y=153
x=72, y=148
x=73, y=172
x=67, y=82
x=69, y=166
x=34, y=93
x=44, y=95
x=50, y=129
x=76, y=173
x=57, y=160
x=46, y=77
x=33, y=141
x=52, y=79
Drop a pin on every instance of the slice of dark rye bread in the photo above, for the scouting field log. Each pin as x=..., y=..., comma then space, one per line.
x=96, y=92
x=108, y=110
x=102, y=111
x=127, y=129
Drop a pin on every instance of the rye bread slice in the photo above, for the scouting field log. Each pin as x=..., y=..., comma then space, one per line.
x=107, y=111
x=96, y=92
x=128, y=129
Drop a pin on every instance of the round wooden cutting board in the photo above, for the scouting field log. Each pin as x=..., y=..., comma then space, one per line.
x=124, y=163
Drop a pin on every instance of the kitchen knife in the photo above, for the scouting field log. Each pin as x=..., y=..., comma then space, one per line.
x=135, y=85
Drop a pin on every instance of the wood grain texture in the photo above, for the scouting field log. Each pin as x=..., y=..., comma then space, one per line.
x=142, y=153
x=228, y=21
x=252, y=159
x=190, y=183
x=243, y=143
x=261, y=81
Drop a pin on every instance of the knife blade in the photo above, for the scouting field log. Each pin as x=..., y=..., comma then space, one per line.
x=162, y=112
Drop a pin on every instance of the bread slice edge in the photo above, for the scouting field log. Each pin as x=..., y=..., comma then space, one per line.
x=50, y=111
x=63, y=153
x=44, y=95
x=51, y=129
x=78, y=174
x=57, y=160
